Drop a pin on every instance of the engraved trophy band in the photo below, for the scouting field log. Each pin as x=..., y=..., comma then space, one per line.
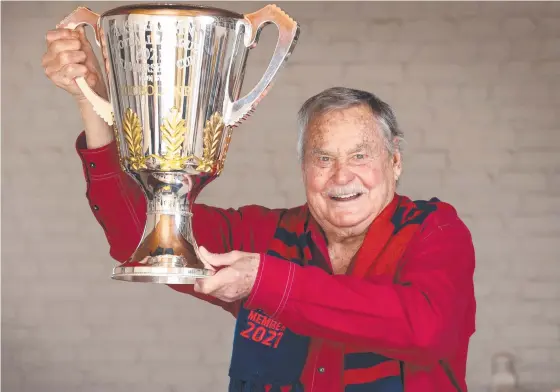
x=175, y=73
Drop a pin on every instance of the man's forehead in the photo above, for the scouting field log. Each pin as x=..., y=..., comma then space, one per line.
x=343, y=132
x=345, y=146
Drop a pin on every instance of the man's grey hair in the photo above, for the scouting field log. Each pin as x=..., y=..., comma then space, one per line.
x=343, y=98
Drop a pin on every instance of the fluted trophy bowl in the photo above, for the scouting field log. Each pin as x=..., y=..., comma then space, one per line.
x=175, y=73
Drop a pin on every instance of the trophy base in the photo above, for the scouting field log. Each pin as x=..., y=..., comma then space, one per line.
x=160, y=269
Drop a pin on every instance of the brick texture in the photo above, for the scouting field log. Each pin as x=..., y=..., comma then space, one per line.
x=476, y=87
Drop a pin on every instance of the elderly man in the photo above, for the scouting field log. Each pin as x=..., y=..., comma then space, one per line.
x=360, y=289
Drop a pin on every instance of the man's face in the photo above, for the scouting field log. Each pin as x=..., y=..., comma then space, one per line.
x=348, y=173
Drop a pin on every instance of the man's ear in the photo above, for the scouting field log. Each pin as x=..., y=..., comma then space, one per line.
x=397, y=164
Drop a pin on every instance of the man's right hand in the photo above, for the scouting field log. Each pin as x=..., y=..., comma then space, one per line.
x=70, y=55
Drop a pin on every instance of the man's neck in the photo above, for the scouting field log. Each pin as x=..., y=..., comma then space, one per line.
x=339, y=239
x=345, y=236
x=342, y=250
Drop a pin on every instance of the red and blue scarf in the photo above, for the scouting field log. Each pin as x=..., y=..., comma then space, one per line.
x=275, y=360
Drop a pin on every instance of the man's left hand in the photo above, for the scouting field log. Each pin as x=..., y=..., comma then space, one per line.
x=232, y=282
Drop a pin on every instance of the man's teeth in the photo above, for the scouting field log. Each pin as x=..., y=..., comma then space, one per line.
x=346, y=196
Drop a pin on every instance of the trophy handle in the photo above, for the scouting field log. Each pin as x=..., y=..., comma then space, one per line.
x=288, y=32
x=78, y=17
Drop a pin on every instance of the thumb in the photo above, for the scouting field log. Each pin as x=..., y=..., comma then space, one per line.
x=83, y=37
x=91, y=59
x=86, y=45
x=218, y=259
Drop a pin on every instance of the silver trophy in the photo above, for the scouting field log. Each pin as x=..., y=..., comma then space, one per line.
x=175, y=73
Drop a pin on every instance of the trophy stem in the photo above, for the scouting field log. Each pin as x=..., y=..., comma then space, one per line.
x=167, y=252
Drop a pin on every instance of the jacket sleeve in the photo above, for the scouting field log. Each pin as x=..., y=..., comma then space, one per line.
x=119, y=205
x=422, y=318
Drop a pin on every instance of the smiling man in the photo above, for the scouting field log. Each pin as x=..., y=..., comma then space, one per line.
x=359, y=289
x=374, y=292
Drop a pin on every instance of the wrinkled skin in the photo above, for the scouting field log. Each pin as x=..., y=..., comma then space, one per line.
x=345, y=154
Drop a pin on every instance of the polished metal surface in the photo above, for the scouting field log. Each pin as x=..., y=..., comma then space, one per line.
x=173, y=9
x=175, y=76
x=176, y=66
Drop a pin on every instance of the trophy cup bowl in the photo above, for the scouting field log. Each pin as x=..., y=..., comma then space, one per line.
x=175, y=73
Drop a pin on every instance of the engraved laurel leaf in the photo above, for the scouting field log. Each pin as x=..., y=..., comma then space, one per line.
x=132, y=133
x=211, y=141
x=212, y=136
x=173, y=133
x=221, y=162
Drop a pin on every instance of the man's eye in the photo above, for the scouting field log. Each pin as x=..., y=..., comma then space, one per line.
x=360, y=156
x=324, y=159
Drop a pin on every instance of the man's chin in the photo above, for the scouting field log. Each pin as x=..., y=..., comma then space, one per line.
x=348, y=220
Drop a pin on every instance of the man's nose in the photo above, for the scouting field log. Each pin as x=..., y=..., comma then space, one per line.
x=342, y=175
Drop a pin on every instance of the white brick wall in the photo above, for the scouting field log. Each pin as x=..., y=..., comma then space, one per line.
x=476, y=89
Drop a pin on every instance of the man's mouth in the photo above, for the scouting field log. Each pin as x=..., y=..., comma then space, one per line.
x=348, y=197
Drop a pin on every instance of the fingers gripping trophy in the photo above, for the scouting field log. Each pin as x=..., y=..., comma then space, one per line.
x=175, y=73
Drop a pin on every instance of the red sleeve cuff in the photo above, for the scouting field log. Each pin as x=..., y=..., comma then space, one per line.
x=273, y=285
x=98, y=162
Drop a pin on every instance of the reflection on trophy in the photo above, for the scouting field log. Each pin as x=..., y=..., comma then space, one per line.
x=175, y=74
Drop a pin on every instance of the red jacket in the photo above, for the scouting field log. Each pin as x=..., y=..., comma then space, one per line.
x=426, y=323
